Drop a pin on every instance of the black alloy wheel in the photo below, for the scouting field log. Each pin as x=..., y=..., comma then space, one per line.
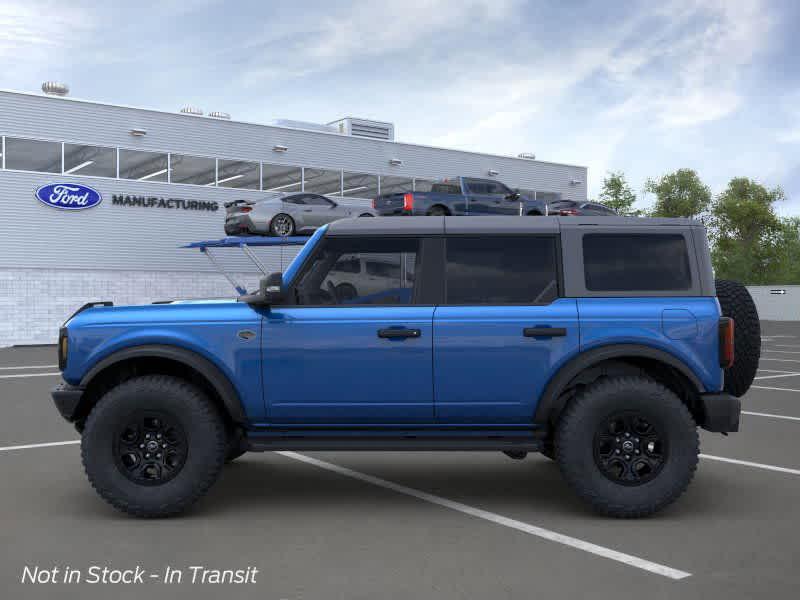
x=151, y=448
x=628, y=449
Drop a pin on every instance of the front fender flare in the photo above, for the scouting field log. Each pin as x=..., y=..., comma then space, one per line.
x=548, y=402
x=218, y=380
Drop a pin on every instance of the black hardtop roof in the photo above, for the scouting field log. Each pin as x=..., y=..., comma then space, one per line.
x=402, y=225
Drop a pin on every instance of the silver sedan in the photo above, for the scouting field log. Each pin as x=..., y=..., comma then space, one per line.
x=286, y=214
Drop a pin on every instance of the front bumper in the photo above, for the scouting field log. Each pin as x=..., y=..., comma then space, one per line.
x=67, y=398
x=721, y=412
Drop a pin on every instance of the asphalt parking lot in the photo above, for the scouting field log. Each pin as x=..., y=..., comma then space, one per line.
x=410, y=525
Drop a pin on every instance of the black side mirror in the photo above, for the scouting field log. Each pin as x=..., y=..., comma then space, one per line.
x=514, y=195
x=270, y=291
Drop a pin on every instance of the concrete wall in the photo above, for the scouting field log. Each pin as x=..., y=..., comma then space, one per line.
x=774, y=306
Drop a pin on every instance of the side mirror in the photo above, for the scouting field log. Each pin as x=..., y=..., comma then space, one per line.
x=514, y=195
x=270, y=291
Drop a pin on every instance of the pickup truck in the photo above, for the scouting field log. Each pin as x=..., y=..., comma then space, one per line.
x=460, y=196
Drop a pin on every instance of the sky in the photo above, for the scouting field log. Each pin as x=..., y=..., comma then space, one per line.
x=639, y=87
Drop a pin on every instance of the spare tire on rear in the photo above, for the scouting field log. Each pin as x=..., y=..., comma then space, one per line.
x=736, y=302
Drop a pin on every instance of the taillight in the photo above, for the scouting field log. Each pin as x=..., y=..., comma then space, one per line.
x=246, y=209
x=726, y=351
x=568, y=212
x=408, y=202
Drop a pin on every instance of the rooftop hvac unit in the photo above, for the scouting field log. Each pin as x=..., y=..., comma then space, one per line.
x=527, y=155
x=54, y=88
x=192, y=110
x=376, y=130
x=216, y=114
x=292, y=124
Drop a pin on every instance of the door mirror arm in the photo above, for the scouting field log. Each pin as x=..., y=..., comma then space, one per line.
x=270, y=291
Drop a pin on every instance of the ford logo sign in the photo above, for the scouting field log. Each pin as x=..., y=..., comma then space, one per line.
x=68, y=196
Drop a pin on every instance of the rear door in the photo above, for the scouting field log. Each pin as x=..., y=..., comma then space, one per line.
x=357, y=345
x=503, y=329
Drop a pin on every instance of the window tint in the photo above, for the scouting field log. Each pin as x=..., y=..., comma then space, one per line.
x=90, y=160
x=336, y=278
x=323, y=181
x=238, y=174
x=396, y=185
x=197, y=170
x=360, y=185
x=33, y=155
x=295, y=199
x=501, y=270
x=280, y=178
x=144, y=166
x=317, y=201
x=624, y=262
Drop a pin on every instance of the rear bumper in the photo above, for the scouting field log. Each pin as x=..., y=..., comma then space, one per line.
x=721, y=412
x=67, y=398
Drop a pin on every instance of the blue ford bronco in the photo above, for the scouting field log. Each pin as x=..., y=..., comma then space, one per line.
x=601, y=342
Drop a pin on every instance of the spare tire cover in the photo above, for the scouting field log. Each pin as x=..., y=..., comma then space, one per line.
x=736, y=302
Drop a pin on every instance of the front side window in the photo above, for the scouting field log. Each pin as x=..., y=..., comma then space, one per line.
x=335, y=276
x=33, y=155
x=501, y=270
x=636, y=262
x=318, y=201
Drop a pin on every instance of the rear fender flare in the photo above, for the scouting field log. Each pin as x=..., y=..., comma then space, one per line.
x=548, y=401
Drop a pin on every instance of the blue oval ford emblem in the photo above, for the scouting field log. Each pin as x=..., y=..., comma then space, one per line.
x=68, y=196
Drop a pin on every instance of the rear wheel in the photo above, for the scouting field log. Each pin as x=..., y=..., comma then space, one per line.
x=437, y=211
x=628, y=446
x=736, y=302
x=282, y=225
x=153, y=445
x=366, y=215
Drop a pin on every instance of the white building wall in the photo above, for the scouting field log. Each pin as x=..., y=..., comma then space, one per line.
x=775, y=306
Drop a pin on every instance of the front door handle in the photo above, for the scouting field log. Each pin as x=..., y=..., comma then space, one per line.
x=393, y=333
x=544, y=332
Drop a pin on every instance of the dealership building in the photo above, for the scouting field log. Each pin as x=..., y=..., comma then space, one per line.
x=161, y=180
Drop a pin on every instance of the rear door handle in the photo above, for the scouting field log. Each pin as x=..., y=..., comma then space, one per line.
x=544, y=332
x=393, y=333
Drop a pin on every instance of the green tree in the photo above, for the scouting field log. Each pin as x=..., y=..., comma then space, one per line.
x=750, y=242
x=617, y=194
x=679, y=194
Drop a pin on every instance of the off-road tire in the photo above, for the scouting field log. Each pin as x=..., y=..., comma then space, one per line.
x=575, y=445
x=206, y=445
x=272, y=225
x=235, y=445
x=736, y=302
x=438, y=211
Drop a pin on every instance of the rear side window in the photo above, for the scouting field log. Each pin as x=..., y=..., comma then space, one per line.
x=629, y=262
x=501, y=270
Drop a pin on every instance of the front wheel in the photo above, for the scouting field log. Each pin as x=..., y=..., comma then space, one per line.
x=628, y=446
x=153, y=445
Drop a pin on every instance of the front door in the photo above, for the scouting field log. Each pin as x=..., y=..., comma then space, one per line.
x=357, y=345
x=502, y=331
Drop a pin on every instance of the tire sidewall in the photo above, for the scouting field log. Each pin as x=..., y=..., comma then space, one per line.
x=575, y=444
x=272, y=221
x=188, y=406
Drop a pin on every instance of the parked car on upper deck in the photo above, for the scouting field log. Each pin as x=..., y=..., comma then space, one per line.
x=460, y=196
x=572, y=208
x=284, y=214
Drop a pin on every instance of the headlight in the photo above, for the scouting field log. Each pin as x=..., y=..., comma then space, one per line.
x=62, y=348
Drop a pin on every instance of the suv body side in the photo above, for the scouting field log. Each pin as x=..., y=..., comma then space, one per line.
x=467, y=365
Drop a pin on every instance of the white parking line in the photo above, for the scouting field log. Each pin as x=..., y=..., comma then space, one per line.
x=28, y=367
x=783, y=351
x=773, y=371
x=784, y=346
x=764, y=387
x=45, y=445
x=770, y=415
x=628, y=559
x=747, y=463
x=29, y=375
x=777, y=376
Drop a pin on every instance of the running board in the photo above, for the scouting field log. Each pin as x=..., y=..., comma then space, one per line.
x=405, y=444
